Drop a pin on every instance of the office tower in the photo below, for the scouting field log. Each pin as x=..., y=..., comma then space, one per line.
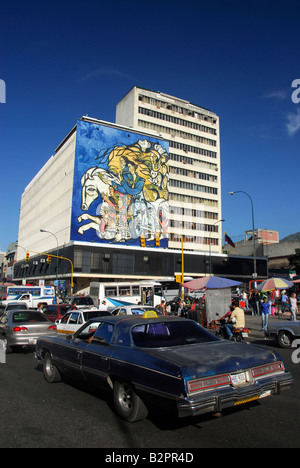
x=194, y=164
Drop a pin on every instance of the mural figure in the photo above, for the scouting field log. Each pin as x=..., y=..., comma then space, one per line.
x=131, y=184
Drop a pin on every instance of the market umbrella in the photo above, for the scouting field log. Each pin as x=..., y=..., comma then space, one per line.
x=274, y=283
x=211, y=282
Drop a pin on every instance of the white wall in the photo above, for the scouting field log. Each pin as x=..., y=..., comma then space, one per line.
x=47, y=203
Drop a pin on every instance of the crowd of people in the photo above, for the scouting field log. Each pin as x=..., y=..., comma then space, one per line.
x=257, y=303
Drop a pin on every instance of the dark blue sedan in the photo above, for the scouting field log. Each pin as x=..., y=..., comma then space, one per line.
x=163, y=359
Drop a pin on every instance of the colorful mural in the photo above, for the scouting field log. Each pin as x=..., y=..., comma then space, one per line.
x=120, y=190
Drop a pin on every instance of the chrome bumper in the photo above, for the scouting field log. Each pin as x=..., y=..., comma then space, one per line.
x=216, y=401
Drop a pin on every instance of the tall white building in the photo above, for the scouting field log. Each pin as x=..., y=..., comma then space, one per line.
x=194, y=166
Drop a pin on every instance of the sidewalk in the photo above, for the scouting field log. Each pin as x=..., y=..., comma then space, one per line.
x=254, y=323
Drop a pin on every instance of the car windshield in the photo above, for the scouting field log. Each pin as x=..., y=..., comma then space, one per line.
x=167, y=334
x=28, y=316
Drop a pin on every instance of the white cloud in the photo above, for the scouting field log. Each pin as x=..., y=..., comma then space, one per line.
x=278, y=95
x=104, y=71
x=293, y=124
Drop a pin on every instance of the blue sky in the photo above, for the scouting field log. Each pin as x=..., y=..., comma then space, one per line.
x=62, y=60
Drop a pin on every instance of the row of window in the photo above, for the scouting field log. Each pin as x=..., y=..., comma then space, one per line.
x=178, y=197
x=182, y=211
x=192, y=149
x=194, y=174
x=194, y=240
x=193, y=226
x=179, y=133
x=175, y=108
x=193, y=187
x=193, y=162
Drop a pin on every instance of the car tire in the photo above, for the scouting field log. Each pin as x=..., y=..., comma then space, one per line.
x=51, y=373
x=285, y=339
x=127, y=403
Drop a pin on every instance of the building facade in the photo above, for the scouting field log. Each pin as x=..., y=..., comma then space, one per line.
x=194, y=175
x=122, y=202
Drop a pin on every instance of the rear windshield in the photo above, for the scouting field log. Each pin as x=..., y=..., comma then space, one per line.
x=52, y=310
x=94, y=314
x=83, y=301
x=23, y=317
x=166, y=334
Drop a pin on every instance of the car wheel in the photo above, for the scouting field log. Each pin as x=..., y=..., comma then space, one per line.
x=285, y=339
x=50, y=371
x=127, y=403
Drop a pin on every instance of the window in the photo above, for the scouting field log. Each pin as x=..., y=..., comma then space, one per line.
x=158, y=335
x=104, y=332
x=73, y=318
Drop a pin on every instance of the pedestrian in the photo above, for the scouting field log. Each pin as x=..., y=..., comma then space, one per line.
x=265, y=308
x=245, y=299
x=294, y=306
x=284, y=301
x=254, y=300
x=103, y=306
x=163, y=307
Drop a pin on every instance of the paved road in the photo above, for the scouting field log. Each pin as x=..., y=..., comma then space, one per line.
x=36, y=414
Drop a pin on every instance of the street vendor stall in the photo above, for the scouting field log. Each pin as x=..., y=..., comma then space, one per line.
x=217, y=294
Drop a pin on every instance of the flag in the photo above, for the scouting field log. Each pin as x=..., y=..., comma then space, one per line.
x=228, y=240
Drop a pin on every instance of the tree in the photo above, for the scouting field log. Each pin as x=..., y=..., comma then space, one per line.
x=294, y=261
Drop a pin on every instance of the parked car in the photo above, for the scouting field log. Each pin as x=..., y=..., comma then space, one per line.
x=166, y=359
x=23, y=327
x=134, y=310
x=55, y=311
x=13, y=306
x=74, y=319
x=284, y=332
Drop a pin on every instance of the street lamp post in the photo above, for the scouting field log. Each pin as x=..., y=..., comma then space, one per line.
x=253, y=230
x=49, y=232
x=218, y=221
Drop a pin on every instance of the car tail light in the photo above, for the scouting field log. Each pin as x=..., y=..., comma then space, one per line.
x=268, y=369
x=52, y=327
x=208, y=383
x=20, y=329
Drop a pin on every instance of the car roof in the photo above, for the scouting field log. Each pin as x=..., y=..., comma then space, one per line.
x=124, y=324
x=138, y=319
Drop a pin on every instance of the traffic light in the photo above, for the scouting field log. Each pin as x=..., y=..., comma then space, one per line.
x=157, y=240
x=27, y=257
x=49, y=259
x=143, y=241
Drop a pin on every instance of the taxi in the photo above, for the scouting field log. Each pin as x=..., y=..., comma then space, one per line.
x=172, y=362
x=74, y=319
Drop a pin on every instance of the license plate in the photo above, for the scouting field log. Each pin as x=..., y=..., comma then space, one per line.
x=238, y=379
x=32, y=341
x=245, y=335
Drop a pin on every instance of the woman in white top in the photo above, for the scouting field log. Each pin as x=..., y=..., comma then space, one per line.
x=294, y=307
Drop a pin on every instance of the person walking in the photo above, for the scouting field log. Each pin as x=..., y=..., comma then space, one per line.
x=294, y=307
x=265, y=308
x=284, y=302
